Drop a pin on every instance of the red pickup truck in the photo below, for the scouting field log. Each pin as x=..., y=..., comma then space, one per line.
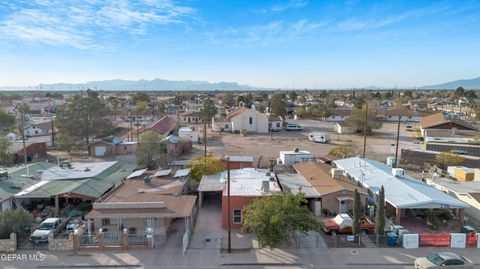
x=342, y=223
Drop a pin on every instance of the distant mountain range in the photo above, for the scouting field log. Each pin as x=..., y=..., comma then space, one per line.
x=473, y=83
x=147, y=85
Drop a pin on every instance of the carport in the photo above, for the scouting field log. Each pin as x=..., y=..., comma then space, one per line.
x=210, y=188
x=402, y=192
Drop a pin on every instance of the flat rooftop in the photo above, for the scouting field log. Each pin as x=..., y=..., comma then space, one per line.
x=77, y=171
x=400, y=192
x=446, y=184
x=295, y=183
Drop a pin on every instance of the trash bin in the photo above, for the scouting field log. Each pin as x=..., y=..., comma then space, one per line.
x=467, y=229
x=392, y=239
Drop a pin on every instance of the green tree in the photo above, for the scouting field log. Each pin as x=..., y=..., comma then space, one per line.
x=448, y=158
x=357, y=213
x=293, y=96
x=471, y=95
x=380, y=213
x=14, y=221
x=209, y=110
x=357, y=119
x=140, y=108
x=83, y=118
x=358, y=102
x=345, y=151
x=151, y=150
x=228, y=99
x=205, y=166
x=91, y=93
x=6, y=158
x=408, y=93
x=274, y=218
x=140, y=96
x=459, y=92
x=278, y=106
x=7, y=121
x=65, y=143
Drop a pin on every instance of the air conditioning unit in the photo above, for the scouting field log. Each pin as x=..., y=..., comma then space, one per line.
x=336, y=172
x=398, y=172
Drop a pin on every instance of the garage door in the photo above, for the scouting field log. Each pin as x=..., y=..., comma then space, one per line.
x=100, y=151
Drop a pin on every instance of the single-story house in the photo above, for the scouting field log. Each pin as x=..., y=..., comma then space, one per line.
x=275, y=123
x=111, y=146
x=34, y=150
x=239, y=162
x=336, y=193
x=164, y=126
x=402, y=192
x=337, y=115
x=191, y=117
x=405, y=115
x=144, y=206
x=441, y=122
x=188, y=133
x=177, y=146
x=463, y=142
x=289, y=157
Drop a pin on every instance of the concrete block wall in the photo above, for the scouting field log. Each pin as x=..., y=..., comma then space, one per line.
x=8, y=245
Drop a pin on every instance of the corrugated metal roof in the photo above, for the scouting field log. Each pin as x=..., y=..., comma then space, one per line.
x=400, y=192
x=295, y=183
x=91, y=187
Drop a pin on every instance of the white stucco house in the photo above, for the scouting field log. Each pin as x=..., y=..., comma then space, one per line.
x=248, y=119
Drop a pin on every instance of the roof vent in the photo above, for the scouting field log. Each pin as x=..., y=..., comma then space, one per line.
x=87, y=169
x=296, y=150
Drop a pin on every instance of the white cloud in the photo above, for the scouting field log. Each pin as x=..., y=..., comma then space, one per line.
x=79, y=23
x=292, y=4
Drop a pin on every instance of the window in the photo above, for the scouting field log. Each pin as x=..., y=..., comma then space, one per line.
x=125, y=147
x=250, y=120
x=237, y=216
x=105, y=222
x=226, y=126
x=278, y=124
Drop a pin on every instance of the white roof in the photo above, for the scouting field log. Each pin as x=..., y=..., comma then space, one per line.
x=248, y=182
x=291, y=152
x=78, y=170
x=162, y=173
x=296, y=182
x=185, y=129
x=182, y=172
x=241, y=158
x=400, y=192
x=137, y=173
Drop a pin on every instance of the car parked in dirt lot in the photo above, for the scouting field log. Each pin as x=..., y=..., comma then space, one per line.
x=443, y=260
x=48, y=226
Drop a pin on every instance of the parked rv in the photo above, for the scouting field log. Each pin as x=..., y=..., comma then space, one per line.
x=319, y=138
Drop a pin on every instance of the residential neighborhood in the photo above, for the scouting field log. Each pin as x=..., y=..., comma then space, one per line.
x=179, y=134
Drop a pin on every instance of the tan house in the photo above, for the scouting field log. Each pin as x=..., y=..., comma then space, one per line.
x=143, y=206
x=336, y=194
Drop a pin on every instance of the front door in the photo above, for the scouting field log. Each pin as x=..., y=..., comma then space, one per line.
x=343, y=206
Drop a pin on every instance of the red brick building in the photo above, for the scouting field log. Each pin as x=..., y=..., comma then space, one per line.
x=239, y=162
x=34, y=150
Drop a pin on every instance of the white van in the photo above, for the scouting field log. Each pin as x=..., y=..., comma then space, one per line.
x=294, y=127
x=319, y=138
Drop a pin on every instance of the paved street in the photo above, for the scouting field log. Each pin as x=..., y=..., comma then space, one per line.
x=204, y=258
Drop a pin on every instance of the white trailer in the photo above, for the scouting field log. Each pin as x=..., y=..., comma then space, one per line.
x=319, y=138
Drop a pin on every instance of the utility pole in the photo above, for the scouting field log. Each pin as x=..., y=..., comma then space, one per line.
x=53, y=135
x=229, y=228
x=22, y=128
x=205, y=137
x=396, y=146
x=365, y=131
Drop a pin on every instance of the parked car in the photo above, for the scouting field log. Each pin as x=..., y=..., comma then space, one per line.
x=73, y=225
x=294, y=127
x=319, y=138
x=48, y=226
x=443, y=260
x=342, y=223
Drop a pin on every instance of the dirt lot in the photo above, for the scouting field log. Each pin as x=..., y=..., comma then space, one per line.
x=267, y=146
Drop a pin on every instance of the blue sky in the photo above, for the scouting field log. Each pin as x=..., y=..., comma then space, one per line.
x=284, y=44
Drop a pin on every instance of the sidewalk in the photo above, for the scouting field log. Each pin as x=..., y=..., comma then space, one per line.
x=302, y=258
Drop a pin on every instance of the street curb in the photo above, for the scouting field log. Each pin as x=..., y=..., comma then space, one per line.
x=378, y=264
x=91, y=266
x=262, y=264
